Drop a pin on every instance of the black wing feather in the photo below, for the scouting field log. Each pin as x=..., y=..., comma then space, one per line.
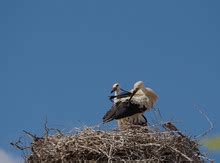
x=122, y=110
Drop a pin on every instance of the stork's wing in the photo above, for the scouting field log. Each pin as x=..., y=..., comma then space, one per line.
x=122, y=110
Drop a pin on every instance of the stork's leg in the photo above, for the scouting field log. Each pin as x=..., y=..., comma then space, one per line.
x=142, y=120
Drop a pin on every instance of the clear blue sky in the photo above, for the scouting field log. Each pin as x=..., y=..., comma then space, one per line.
x=60, y=58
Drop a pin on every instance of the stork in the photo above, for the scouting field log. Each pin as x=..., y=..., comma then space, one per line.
x=138, y=100
x=117, y=91
x=135, y=119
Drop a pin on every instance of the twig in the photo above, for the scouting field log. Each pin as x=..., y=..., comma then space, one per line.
x=18, y=146
x=206, y=158
x=32, y=136
x=158, y=115
x=207, y=118
x=189, y=159
x=110, y=154
x=47, y=129
x=89, y=148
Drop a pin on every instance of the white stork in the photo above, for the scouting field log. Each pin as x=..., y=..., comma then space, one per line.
x=136, y=119
x=117, y=90
x=132, y=107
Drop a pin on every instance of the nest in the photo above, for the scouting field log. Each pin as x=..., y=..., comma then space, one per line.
x=145, y=144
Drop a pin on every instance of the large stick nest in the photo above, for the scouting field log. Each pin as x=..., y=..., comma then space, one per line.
x=132, y=144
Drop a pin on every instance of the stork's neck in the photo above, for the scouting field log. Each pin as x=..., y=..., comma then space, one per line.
x=118, y=91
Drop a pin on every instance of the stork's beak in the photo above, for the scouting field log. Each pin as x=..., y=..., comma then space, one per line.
x=122, y=95
x=125, y=91
x=133, y=93
x=113, y=90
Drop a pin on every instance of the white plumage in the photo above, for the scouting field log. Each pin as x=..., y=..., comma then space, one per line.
x=130, y=109
x=143, y=96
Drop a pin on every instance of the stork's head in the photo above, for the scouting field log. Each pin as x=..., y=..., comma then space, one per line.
x=138, y=85
x=115, y=87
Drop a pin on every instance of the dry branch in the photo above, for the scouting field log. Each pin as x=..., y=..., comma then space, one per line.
x=209, y=121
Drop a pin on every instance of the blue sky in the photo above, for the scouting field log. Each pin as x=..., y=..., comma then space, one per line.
x=59, y=59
